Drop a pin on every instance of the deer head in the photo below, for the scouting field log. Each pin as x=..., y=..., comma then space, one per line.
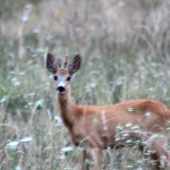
x=62, y=76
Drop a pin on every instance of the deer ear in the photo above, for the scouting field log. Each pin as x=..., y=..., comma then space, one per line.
x=51, y=64
x=75, y=64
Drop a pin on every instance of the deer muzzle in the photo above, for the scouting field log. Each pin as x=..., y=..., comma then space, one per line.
x=61, y=87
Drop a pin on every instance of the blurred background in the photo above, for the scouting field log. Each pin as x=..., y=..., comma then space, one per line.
x=125, y=47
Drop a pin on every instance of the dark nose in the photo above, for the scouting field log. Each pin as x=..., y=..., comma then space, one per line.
x=61, y=89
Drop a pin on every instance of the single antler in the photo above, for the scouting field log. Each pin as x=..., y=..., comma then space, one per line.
x=66, y=60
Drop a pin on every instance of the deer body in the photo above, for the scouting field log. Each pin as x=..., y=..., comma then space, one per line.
x=97, y=127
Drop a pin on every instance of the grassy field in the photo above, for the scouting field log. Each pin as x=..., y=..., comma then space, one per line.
x=125, y=49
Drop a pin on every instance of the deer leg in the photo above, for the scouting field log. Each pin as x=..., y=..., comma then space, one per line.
x=94, y=155
x=84, y=158
x=160, y=154
x=162, y=158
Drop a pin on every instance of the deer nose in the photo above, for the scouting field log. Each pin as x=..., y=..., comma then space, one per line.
x=61, y=89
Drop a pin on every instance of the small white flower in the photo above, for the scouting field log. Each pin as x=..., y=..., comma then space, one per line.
x=134, y=147
x=139, y=161
x=28, y=6
x=25, y=18
x=135, y=127
x=129, y=141
x=128, y=125
x=18, y=168
x=144, y=143
x=149, y=151
x=27, y=139
x=22, y=73
x=32, y=94
x=12, y=72
x=125, y=135
x=162, y=157
x=151, y=89
x=13, y=145
x=3, y=100
x=130, y=109
x=93, y=85
x=129, y=166
x=153, y=64
x=14, y=79
x=17, y=83
x=117, y=139
x=58, y=121
x=67, y=149
x=148, y=114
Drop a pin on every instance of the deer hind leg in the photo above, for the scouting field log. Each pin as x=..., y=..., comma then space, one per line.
x=160, y=155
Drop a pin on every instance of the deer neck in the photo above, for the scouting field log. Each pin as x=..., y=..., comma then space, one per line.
x=67, y=109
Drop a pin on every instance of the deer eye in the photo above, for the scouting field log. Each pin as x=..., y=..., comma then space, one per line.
x=55, y=77
x=68, y=78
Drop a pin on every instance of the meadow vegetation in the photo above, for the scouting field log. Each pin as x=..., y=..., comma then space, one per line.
x=125, y=49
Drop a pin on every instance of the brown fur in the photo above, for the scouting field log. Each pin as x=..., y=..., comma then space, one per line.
x=98, y=127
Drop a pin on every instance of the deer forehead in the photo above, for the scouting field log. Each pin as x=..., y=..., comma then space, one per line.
x=62, y=72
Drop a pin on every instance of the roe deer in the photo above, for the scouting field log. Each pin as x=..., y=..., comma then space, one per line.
x=97, y=127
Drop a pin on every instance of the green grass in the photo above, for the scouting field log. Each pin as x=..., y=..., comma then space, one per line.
x=125, y=52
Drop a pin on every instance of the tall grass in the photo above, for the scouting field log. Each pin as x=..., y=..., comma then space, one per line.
x=126, y=56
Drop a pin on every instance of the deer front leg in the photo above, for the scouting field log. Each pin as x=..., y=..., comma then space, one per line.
x=94, y=155
x=84, y=158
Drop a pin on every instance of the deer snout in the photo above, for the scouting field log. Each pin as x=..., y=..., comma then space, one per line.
x=61, y=89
